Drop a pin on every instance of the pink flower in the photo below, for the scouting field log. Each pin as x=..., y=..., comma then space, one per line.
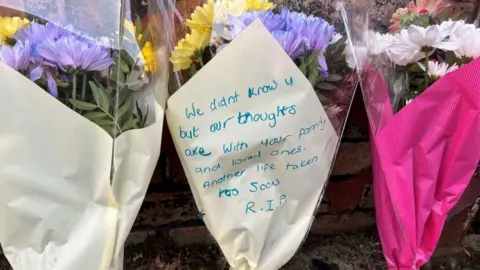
x=432, y=8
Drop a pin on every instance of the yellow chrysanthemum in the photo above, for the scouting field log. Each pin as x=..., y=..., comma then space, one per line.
x=182, y=55
x=258, y=5
x=148, y=52
x=9, y=26
x=202, y=18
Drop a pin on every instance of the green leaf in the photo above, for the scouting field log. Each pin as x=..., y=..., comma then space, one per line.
x=303, y=68
x=313, y=78
x=334, y=78
x=144, y=122
x=122, y=110
x=124, y=68
x=100, y=97
x=123, y=94
x=104, y=122
x=139, y=111
x=125, y=56
x=144, y=39
x=456, y=16
x=138, y=26
x=82, y=105
x=129, y=124
x=327, y=86
x=93, y=116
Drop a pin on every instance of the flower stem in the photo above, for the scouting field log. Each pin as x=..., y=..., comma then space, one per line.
x=84, y=86
x=74, y=84
x=426, y=71
x=200, y=60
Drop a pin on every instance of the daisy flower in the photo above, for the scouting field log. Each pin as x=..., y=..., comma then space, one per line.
x=410, y=44
x=467, y=39
x=437, y=70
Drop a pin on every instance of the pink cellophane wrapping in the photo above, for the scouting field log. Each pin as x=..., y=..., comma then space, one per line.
x=423, y=159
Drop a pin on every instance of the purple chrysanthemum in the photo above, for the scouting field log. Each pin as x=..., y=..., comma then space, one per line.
x=272, y=21
x=46, y=70
x=316, y=33
x=72, y=52
x=291, y=43
x=37, y=33
x=17, y=57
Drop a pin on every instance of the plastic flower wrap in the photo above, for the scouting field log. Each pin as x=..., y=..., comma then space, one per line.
x=81, y=135
x=263, y=96
x=420, y=87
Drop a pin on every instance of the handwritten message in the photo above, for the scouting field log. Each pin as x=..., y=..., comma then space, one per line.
x=255, y=142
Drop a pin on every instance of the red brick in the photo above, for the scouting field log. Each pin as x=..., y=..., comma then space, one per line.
x=347, y=195
x=348, y=222
x=191, y=235
x=352, y=158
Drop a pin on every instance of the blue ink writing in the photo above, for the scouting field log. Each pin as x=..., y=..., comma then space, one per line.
x=303, y=163
x=238, y=161
x=265, y=167
x=273, y=141
x=249, y=207
x=270, y=209
x=288, y=152
x=223, y=102
x=223, y=178
x=254, y=186
x=319, y=125
x=228, y=192
x=283, y=199
x=270, y=205
x=252, y=92
x=188, y=134
x=271, y=117
x=197, y=151
x=234, y=147
x=203, y=170
x=289, y=82
x=195, y=111
x=217, y=126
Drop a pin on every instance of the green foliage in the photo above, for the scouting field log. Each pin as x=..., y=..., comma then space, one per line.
x=336, y=65
x=115, y=115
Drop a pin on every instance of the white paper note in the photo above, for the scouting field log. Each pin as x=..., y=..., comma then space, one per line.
x=257, y=146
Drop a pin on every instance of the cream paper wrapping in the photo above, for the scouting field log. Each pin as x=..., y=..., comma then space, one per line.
x=293, y=166
x=58, y=208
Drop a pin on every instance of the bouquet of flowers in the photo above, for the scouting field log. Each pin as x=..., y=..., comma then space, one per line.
x=81, y=133
x=250, y=66
x=420, y=87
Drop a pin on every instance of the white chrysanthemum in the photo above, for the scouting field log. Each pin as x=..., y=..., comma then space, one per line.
x=378, y=43
x=467, y=39
x=335, y=38
x=437, y=70
x=408, y=45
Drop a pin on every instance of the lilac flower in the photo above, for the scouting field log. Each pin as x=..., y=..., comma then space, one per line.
x=37, y=33
x=316, y=34
x=272, y=21
x=72, y=52
x=17, y=57
x=46, y=70
x=291, y=43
